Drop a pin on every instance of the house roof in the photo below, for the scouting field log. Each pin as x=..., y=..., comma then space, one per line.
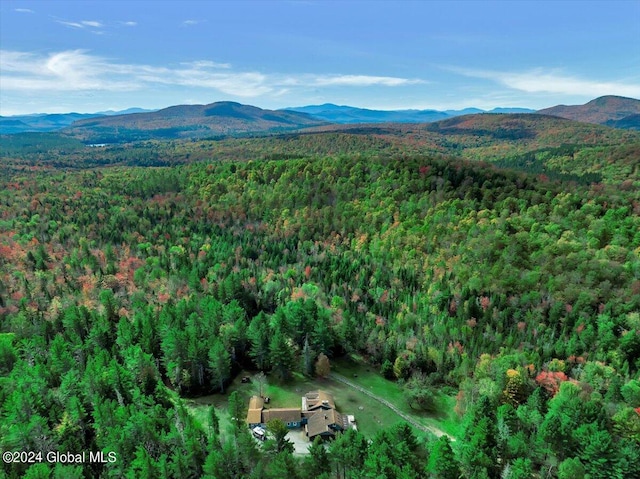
x=254, y=414
x=321, y=421
x=319, y=399
x=256, y=402
x=284, y=414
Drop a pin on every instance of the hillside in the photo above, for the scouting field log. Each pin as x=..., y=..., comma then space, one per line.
x=631, y=122
x=555, y=147
x=192, y=121
x=601, y=110
x=9, y=125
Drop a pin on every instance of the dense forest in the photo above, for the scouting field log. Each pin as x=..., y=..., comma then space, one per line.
x=134, y=277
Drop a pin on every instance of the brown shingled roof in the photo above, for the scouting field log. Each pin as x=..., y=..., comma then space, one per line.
x=284, y=414
x=324, y=422
x=254, y=414
x=319, y=399
x=256, y=402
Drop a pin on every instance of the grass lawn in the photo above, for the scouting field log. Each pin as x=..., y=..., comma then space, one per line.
x=369, y=378
x=199, y=408
x=371, y=416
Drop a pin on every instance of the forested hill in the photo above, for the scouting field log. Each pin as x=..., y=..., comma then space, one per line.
x=124, y=289
x=546, y=145
x=600, y=110
x=188, y=121
x=551, y=147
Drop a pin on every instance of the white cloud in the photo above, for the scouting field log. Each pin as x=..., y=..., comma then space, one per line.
x=306, y=80
x=188, y=23
x=70, y=24
x=129, y=24
x=82, y=24
x=23, y=10
x=72, y=70
x=92, y=23
x=78, y=70
x=207, y=64
x=362, y=80
x=540, y=80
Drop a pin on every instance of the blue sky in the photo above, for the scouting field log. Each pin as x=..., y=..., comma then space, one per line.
x=87, y=56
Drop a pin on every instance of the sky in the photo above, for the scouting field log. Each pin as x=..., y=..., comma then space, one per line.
x=90, y=56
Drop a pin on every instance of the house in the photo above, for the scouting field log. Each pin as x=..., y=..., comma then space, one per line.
x=258, y=415
x=254, y=414
x=291, y=417
x=325, y=423
x=315, y=401
x=318, y=415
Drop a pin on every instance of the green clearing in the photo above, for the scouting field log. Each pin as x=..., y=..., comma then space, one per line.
x=371, y=416
x=367, y=377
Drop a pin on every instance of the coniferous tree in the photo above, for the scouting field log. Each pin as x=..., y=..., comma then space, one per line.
x=219, y=364
x=259, y=335
x=281, y=355
x=442, y=462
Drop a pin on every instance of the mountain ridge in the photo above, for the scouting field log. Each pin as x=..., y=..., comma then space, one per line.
x=45, y=122
x=599, y=110
x=346, y=114
x=232, y=118
x=192, y=121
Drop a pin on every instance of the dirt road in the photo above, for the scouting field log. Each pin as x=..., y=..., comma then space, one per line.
x=431, y=429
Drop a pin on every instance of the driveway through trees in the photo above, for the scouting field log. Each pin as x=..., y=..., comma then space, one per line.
x=406, y=417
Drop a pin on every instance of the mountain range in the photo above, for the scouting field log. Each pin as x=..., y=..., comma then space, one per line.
x=230, y=118
x=189, y=121
x=43, y=122
x=344, y=114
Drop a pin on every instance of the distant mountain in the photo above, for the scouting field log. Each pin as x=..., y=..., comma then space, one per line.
x=44, y=122
x=511, y=110
x=349, y=114
x=601, y=110
x=189, y=121
x=631, y=122
x=345, y=114
x=466, y=111
x=473, y=111
x=232, y=118
x=125, y=112
x=10, y=125
x=40, y=122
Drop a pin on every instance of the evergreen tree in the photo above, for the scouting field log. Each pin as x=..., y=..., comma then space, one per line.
x=219, y=364
x=318, y=459
x=214, y=421
x=279, y=442
x=281, y=355
x=479, y=451
x=236, y=411
x=442, y=463
x=307, y=358
x=258, y=334
x=571, y=468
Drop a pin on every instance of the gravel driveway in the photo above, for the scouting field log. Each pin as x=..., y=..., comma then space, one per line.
x=300, y=441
